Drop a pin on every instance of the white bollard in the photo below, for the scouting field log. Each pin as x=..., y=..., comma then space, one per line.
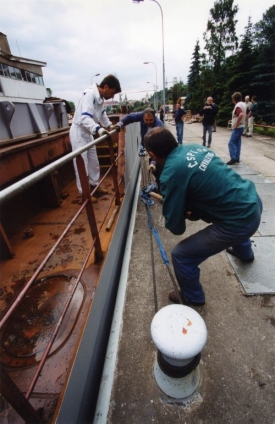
x=179, y=334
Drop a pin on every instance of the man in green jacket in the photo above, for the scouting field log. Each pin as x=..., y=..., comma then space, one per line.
x=253, y=114
x=196, y=184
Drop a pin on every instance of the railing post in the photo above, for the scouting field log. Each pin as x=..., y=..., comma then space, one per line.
x=114, y=170
x=17, y=400
x=89, y=207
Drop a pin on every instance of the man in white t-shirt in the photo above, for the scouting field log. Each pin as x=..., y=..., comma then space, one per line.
x=238, y=123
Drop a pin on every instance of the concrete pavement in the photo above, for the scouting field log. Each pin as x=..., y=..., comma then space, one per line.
x=238, y=361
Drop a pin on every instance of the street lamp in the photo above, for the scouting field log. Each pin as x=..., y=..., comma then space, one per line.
x=146, y=63
x=96, y=75
x=163, y=64
x=155, y=101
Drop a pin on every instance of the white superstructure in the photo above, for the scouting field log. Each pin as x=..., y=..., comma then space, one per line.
x=21, y=79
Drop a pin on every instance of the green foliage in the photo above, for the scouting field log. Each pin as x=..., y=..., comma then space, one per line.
x=264, y=131
x=72, y=106
x=220, y=35
x=271, y=132
x=194, y=69
x=223, y=70
x=259, y=130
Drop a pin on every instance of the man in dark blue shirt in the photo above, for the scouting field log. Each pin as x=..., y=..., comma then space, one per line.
x=148, y=120
x=209, y=112
x=178, y=114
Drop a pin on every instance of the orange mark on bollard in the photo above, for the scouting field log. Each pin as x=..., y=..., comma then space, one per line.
x=184, y=331
x=189, y=322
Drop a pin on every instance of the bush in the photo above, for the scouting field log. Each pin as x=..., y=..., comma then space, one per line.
x=271, y=132
x=259, y=130
x=264, y=131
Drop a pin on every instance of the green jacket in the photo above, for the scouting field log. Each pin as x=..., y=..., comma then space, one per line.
x=254, y=109
x=195, y=179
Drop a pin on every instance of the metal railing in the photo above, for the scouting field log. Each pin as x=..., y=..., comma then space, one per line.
x=9, y=390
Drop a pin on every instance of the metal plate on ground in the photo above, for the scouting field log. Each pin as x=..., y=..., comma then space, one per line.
x=267, y=225
x=257, y=277
x=266, y=189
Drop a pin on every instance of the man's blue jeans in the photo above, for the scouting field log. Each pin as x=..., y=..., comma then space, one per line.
x=179, y=129
x=235, y=142
x=189, y=253
x=207, y=128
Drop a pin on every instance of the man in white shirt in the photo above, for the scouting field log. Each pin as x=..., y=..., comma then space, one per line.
x=238, y=123
x=90, y=119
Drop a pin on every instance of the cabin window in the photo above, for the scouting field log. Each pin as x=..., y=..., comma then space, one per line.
x=12, y=72
x=5, y=70
x=20, y=74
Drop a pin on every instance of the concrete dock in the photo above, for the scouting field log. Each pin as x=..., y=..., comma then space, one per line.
x=238, y=362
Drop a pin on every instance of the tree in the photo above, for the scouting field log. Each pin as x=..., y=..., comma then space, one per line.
x=240, y=67
x=72, y=106
x=194, y=70
x=220, y=35
x=264, y=80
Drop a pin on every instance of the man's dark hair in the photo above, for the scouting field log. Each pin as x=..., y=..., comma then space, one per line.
x=237, y=97
x=149, y=111
x=112, y=82
x=254, y=98
x=160, y=141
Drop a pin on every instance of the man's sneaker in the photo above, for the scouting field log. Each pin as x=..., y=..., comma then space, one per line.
x=231, y=252
x=174, y=297
x=231, y=162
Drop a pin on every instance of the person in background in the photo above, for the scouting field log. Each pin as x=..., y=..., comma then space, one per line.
x=238, y=123
x=248, y=105
x=148, y=120
x=253, y=114
x=196, y=184
x=209, y=112
x=214, y=129
x=161, y=114
x=178, y=116
x=90, y=120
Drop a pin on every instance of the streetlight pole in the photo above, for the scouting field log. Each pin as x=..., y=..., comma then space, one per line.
x=96, y=75
x=146, y=63
x=155, y=101
x=163, y=63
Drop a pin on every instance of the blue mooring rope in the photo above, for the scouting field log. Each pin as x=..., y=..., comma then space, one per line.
x=146, y=198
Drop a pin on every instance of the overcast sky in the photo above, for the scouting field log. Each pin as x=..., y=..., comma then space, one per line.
x=80, y=38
